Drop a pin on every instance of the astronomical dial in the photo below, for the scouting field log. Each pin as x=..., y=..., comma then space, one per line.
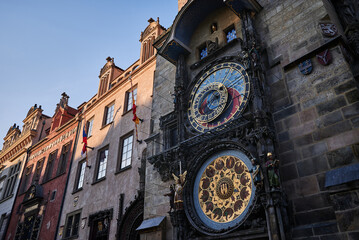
x=224, y=190
x=219, y=96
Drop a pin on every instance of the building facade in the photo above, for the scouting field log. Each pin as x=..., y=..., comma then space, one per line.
x=40, y=196
x=259, y=138
x=13, y=157
x=104, y=197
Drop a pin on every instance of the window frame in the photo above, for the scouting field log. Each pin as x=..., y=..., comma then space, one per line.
x=98, y=163
x=64, y=156
x=73, y=215
x=49, y=168
x=11, y=180
x=38, y=170
x=26, y=177
x=128, y=99
x=89, y=127
x=121, y=151
x=80, y=166
x=53, y=195
x=200, y=48
x=227, y=30
x=3, y=222
x=2, y=182
x=106, y=120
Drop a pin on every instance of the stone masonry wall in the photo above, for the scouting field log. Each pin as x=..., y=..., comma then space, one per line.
x=316, y=118
x=156, y=204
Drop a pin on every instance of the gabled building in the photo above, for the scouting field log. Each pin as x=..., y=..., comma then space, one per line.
x=104, y=197
x=260, y=138
x=39, y=200
x=13, y=157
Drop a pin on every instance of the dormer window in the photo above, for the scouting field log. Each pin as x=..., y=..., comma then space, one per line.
x=231, y=34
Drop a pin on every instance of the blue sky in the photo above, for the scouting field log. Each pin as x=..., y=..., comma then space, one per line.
x=48, y=47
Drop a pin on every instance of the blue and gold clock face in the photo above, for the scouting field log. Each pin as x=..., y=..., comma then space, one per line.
x=223, y=190
x=219, y=96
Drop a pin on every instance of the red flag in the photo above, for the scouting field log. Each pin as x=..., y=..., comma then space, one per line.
x=135, y=118
x=84, y=140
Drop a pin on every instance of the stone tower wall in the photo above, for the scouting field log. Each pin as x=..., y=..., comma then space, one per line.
x=316, y=118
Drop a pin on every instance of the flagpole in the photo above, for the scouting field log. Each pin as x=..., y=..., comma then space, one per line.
x=135, y=119
x=84, y=141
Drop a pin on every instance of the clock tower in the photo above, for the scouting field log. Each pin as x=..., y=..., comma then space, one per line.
x=253, y=113
x=219, y=135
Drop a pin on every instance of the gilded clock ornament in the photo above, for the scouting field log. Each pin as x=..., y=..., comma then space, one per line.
x=219, y=96
x=224, y=190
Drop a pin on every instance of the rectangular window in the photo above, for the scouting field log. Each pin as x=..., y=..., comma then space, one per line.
x=230, y=34
x=61, y=168
x=11, y=180
x=89, y=127
x=100, y=228
x=72, y=224
x=3, y=223
x=38, y=170
x=108, y=116
x=101, y=163
x=1, y=185
x=50, y=165
x=80, y=175
x=203, y=52
x=26, y=178
x=126, y=151
x=129, y=101
x=173, y=138
x=53, y=195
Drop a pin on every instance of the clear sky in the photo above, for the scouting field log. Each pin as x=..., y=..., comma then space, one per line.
x=48, y=47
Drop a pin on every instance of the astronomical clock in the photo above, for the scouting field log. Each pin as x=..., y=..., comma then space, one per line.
x=223, y=190
x=223, y=132
x=219, y=96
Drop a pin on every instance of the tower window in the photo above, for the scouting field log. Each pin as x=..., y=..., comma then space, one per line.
x=203, y=52
x=231, y=34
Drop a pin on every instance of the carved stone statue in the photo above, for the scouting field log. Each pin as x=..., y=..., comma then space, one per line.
x=211, y=46
x=245, y=59
x=254, y=54
x=272, y=170
x=180, y=182
x=171, y=195
x=256, y=174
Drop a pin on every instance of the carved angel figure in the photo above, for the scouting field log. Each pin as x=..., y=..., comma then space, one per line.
x=180, y=182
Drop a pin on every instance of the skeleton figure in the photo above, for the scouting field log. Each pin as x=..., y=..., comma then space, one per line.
x=171, y=195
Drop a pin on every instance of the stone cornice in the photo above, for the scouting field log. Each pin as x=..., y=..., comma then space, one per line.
x=18, y=147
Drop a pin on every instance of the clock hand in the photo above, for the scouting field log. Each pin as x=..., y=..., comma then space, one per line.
x=230, y=70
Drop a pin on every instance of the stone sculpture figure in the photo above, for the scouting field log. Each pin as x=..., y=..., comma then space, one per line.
x=256, y=174
x=180, y=182
x=171, y=195
x=272, y=170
